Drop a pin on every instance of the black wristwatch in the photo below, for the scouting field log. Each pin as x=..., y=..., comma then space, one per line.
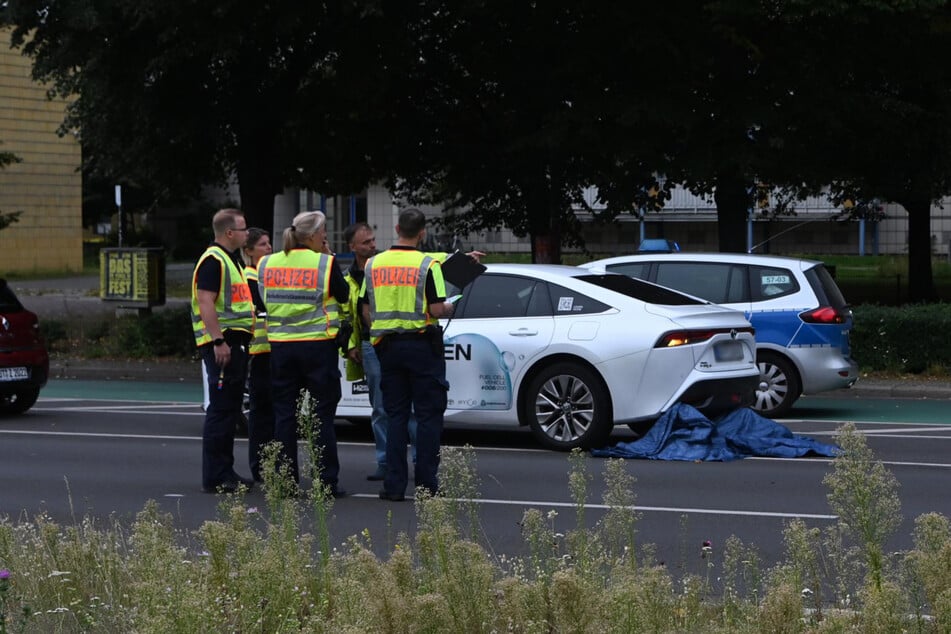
x=217, y=342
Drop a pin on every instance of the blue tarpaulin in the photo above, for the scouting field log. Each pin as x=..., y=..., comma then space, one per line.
x=683, y=433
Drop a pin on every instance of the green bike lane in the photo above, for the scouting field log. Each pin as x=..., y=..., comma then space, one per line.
x=156, y=391
x=894, y=410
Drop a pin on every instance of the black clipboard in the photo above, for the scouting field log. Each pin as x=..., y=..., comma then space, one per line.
x=459, y=269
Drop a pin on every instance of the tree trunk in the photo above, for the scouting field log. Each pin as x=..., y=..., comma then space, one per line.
x=257, y=202
x=732, y=202
x=544, y=225
x=259, y=175
x=920, y=277
x=546, y=249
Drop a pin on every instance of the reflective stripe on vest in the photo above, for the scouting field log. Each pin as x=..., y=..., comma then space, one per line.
x=396, y=292
x=233, y=302
x=295, y=288
x=259, y=344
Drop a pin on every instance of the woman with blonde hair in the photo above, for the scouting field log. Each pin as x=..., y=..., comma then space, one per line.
x=305, y=295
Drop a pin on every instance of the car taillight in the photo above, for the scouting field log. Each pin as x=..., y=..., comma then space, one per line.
x=687, y=337
x=824, y=315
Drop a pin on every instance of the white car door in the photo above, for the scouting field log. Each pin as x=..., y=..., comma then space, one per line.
x=504, y=322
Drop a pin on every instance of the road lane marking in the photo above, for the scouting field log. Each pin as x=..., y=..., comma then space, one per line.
x=130, y=409
x=646, y=509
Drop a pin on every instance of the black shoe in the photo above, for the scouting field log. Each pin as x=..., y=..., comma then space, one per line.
x=338, y=493
x=230, y=486
x=377, y=475
x=392, y=497
x=248, y=482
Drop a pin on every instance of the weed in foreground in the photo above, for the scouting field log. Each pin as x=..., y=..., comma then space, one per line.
x=865, y=496
x=261, y=570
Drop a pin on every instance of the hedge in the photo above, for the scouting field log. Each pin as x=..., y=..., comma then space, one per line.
x=911, y=338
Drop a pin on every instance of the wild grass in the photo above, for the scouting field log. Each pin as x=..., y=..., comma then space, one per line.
x=268, y=570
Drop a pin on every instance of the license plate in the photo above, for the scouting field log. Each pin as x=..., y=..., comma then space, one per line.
x=728, y=351
x=14, y=374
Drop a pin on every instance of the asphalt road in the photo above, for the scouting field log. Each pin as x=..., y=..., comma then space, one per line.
x=104, y=449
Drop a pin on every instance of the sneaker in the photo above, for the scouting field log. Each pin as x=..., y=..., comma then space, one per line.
x=377, y=475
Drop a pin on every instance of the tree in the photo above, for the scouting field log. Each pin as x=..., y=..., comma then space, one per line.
x=502, y=114
x=849, y=96
x=887, y=109
x=174, y=96
x=7, y=219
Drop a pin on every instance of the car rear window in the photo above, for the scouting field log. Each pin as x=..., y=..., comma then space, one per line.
x=720, y=283
x=825, y=288
x=638, y=289
x=770, y=282
x=8, y=301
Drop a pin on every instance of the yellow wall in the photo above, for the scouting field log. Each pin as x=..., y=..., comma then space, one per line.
x=47, y=185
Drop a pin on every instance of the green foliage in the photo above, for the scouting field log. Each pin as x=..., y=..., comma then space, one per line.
x=161, y=333
x=6, y=219
x=902, y=339
x=865, y=496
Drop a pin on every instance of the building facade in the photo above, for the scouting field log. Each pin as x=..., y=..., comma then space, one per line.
x=46, y=186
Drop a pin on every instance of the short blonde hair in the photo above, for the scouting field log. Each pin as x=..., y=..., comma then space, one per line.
x=224, y=219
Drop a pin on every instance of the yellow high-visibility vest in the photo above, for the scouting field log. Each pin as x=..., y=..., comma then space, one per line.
x=233, y=303
x=259, y=344
x=295, y=288
x=395, y=287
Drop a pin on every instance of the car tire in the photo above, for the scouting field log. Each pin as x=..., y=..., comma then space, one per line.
x=567, y=406
x=18, y=402
x=778, y=387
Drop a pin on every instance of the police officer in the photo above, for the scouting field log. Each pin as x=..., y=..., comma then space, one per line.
x=261, y=413
x=306, y=297
x=403, y=297
x=222, y=320
x=362, y=362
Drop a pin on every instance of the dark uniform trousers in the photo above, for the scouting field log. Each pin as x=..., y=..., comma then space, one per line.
x=261, y=414
x=222, y=415
x=312, y=365
x=413, y=380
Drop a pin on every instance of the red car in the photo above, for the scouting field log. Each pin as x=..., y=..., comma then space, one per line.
x=24, y=361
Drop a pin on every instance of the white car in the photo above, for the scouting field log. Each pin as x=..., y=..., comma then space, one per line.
x=572, y=353
x=802, y=320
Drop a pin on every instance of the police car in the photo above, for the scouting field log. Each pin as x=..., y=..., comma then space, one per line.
x=802, y=320
x=572, y=353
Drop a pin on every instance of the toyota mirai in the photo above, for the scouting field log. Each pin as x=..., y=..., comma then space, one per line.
x=571, y=354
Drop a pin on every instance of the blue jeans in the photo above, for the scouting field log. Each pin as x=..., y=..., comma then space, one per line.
x=261, y=415
x=221, y=417
x=371, y=368
x=413, y=379
x=313, y=365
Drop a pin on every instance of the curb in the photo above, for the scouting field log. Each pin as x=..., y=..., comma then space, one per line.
x=118, y=370
x=897, y=388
